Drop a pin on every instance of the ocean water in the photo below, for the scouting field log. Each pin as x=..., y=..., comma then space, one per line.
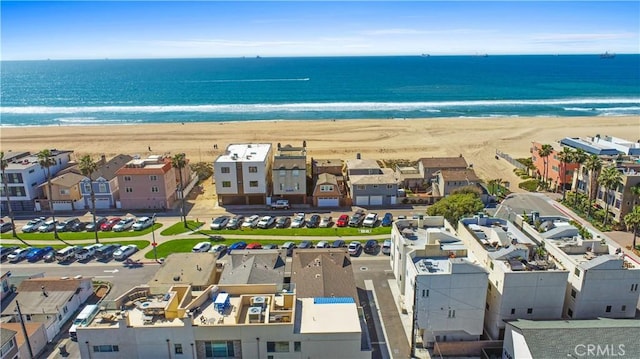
x=41, y=93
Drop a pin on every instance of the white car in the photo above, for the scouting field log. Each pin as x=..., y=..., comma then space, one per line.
x=32, y=225
x=123, y=225
x=386, y=246
x=87, y=252
x=143, y=223
x=370, y=220
x=298, y=221
x=266, y=222
x=47, y=226
x=251, y=222
x=124, y=252
x=326, y=222
x=201, y=247
x=220, y=249
x=18, y=255
x=323, y=244
x=354, y=248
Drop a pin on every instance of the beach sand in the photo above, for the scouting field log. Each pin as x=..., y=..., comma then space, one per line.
x=476, y=139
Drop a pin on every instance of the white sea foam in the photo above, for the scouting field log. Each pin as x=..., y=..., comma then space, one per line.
x=325, y=107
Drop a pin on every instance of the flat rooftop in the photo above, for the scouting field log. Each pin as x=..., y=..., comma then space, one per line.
x=246, y=152
x=329, y=315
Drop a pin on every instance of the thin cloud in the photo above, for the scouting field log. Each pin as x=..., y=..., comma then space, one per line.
x=570, y=38
x=406, y=31
x=197, y=43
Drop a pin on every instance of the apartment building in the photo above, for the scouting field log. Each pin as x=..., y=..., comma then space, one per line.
x=289, y=174
x=524, y=282
x=371, y=185
x=602, y=282
x=558, y=174
x=442, y=287
x=603, y=145
x=24, y=177
x=228, y=321
x=243, y=174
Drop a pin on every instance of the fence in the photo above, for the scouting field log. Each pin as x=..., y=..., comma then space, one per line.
x=510, y=159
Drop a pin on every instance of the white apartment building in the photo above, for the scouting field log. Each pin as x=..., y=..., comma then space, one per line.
x=24, y=177
x=441, y=287
x=602, y=282
x=225, y=321
x=524, y=282
x=243, y=174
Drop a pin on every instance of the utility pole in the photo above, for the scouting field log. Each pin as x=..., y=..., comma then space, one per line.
x=24, y=330
x=153, y=238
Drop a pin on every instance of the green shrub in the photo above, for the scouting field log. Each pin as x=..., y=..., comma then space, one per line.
x=529, y=185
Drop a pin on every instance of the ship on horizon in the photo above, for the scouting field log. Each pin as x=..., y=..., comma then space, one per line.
x=607, y=55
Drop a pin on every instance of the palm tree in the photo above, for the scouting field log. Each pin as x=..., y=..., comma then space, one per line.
x=610, y=178
x=179, y=162
x=46, y=160
x=635, y=191
x=87, y=167
x=544, y=152
x=632, y=221
x=565, y=156
x=528, y=164
x=593, y=164
x=579, y=157
x=3, y=166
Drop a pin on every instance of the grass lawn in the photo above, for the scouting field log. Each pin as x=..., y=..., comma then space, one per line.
x=72, y=236
x=179, y=228
x=325, y=232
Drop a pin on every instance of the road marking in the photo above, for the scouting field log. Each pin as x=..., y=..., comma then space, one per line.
x=111, y=270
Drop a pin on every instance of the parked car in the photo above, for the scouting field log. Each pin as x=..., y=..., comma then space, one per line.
x=78, y=226
x=237, y=245
x=289, y=246
x=66, y=225
x=283, y=222
x=386, y=247
x=338, y=243
x=251, y=222
x=305, y=245
x=280, y=204
x=201, y=247
x=47, y=226
x=39, y=253
x=313, y=221
x=5, y=227
x=298, y=220
x=5, y=251
x=49, y=256
x=124, y=224
x=99, y=221
x=143, y=223
x=354, y=248
x=219, y=222
x=342, y=221
x=18, y=255
x=270, y=246
x=323, y=244
x=266, y=222
x=32, y=225
x=108, y=225
x=326, y=222
x=370, y=220
x=235, y=222
x=356, y=219
x=30, y=252
x=105, y=252
x=88, y=251
x=387, y=220
x=220, y=249
x=371, y=246
x=125, y=252
x=254, y=245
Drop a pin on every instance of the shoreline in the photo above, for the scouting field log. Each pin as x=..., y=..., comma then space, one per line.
x=476, y=139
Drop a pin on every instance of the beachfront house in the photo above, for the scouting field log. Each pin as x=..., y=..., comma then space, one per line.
x=104, y=182
x=151, y=183
x=332, y=166
x=243, y=174
x=428, y=166
x=289, y=174
x=371, y=185
x=447, y=181
x=603, y=145
x=559, y=175
x=328, y=191
x=24, y=177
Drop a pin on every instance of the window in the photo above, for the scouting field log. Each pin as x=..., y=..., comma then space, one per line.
x=608, y=309
x=375, y=186
x=389, y=186
x=513, y=311
x=296, y=187
x=295, y=172
x=218, y=349
x=153, y=178
x=425, y=293
x=623, y=308
x=127, y=178
x=154, y=189
x=64, y=191
x=14, y=177
x=253, y=169
x=282, y=186
x=277, y=347
x=452, y=313
x=65, y=309
x=226, y=184
x=576, y=272
x=570, y=313
x=225, y=170
x=491, y=265
x=573, y=293
x=529, y=310
x=486, y=306
x=105, y=348
x=87, y=187
x=102, y=187
x=283, y=173
x=297, y=346
x=177, y=348
x=361, y=187
x=128, y=189
x=326, y=188
x=253, y=183
x=28, y=317
x=634, y=287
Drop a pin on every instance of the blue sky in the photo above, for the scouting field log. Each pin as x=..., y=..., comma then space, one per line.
x=156, y=29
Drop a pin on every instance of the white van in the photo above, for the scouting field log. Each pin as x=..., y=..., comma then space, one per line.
x=82, y=320
x=67, y=254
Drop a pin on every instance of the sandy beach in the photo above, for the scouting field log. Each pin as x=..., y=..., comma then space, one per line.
x=476, y=139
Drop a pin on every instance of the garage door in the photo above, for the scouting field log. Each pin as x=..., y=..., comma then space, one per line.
x=375, y=201
x=102, y=203
x=328, y=202
x=362, y=200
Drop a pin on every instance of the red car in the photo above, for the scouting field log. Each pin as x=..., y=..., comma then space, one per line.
x=108, y=225
x=254, y=245
x=342, y=221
